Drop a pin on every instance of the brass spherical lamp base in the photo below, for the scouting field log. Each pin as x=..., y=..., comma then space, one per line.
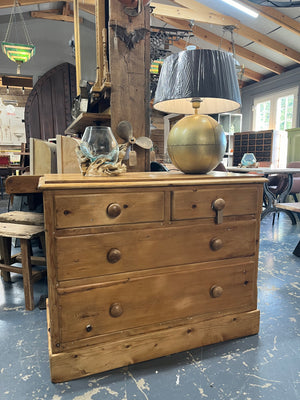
x=196, y=144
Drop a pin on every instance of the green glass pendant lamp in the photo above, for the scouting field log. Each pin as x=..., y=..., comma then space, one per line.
x=17, y=52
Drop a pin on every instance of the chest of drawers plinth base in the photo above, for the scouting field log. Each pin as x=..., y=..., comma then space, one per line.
x=146, y=265
x=97, y=358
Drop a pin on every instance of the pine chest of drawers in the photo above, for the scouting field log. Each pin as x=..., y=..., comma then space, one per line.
x=148, y=264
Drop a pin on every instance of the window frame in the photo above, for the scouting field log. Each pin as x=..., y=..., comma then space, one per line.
x=273, y=98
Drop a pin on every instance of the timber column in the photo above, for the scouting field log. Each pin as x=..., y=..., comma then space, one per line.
x=129, y=59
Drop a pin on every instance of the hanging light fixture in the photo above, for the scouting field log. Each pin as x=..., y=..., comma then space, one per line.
x=239, y=68
x=19, y=53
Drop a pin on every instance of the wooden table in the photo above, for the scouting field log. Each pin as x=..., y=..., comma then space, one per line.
x=271, y=200
x=148, y=264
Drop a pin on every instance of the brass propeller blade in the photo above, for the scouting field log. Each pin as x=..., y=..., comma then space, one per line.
x=124, y=130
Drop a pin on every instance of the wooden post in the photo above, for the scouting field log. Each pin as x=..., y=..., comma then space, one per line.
x=129, y=67
x=100, y=25
x=77, y=45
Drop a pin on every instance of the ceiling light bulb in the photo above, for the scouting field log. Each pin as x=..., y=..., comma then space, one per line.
x=240, y=7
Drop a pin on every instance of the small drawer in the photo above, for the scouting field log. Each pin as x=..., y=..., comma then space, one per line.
x=140, y=301
x=198, y=203
x=108, y=209
x=109, y=253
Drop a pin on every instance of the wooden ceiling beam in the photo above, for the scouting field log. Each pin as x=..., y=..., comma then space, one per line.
x=255, y=76
x=10, y=3
x=224, y=44
x=53, y=16
x=86, y=5
x=216, y=18
x=245, y=31
x=89, y=8
x=65, y=14
x=272, y=44
x=204, y=14
x=275, y=16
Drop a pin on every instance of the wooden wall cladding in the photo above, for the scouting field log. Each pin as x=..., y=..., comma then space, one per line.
x=48, y=107
x=15, y=95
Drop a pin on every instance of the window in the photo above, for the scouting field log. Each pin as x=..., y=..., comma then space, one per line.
x=276, y=111
x=285, y=112
x=262, y=115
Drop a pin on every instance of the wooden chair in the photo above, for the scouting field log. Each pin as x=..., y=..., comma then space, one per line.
x=4, y=172
x=24, y=226
x=295, y=189
x=279, y=183
x=2, y=185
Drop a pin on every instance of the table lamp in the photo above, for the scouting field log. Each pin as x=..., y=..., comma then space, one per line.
x=191, y=80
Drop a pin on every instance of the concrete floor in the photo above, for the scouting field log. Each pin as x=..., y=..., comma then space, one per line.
x=264, y=366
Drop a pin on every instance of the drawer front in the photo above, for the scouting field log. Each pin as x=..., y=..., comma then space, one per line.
x=130, y=303
x=109, y=253
x=191, y=204
x=108, y=209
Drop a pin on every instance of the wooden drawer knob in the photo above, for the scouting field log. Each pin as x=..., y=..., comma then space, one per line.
x=218, y=204
x=216, y=291
x=216, y=244
x=116, y=310
x=113, y=256
x=114, y=210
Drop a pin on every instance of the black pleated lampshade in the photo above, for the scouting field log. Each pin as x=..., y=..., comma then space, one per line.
x=204, y=74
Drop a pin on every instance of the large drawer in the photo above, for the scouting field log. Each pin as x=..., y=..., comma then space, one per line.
x=108, y=209
x=199, y=203
x=109, y=253
x=141, y=301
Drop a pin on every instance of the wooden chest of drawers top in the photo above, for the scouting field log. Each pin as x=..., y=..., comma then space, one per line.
x=141, y=197
x=142, y=179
